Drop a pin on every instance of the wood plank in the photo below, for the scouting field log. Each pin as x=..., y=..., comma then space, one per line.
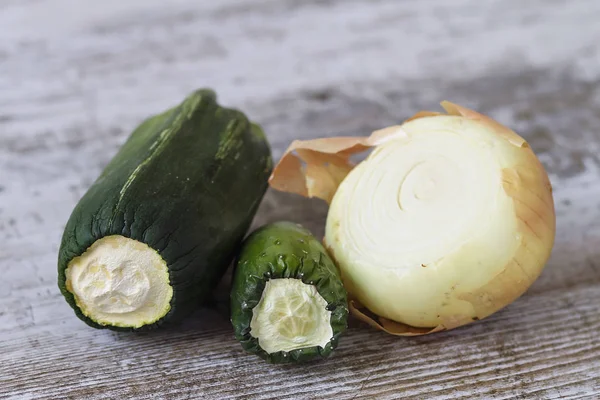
x=75, y=78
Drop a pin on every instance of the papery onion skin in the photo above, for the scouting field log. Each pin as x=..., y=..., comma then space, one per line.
x=468, y=252
x=505, y=250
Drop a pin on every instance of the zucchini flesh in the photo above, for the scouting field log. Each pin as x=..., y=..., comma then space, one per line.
x=121, y=282
x=187, y=184
x=288, y=303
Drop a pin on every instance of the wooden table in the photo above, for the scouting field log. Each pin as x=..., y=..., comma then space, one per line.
x=76, y=76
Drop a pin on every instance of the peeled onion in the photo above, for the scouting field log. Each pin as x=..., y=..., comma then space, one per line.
x=448, y=220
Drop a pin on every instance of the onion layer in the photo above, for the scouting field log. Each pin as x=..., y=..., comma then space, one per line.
x=448, y=220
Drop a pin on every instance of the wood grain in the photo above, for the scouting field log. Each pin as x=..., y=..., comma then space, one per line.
x=77, y=76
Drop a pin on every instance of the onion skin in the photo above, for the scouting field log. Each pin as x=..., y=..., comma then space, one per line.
x=475, y=278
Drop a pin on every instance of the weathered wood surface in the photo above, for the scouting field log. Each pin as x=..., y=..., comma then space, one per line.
x=76, y=76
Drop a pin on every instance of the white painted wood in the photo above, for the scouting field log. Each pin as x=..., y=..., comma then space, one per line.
x=76, y=77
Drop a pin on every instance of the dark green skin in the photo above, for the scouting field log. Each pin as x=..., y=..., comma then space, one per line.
x=202, y=171
x=285, y=250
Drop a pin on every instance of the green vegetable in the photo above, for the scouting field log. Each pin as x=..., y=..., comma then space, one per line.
x=154, y=234
x=288, y=303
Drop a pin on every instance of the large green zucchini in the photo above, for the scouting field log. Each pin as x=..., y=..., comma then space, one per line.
x=157, y=230
x=288, y=303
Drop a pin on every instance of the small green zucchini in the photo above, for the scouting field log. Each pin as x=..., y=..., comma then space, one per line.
x=288, y=303
x=154, y=234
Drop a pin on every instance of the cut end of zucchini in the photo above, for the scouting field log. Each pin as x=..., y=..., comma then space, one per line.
x=290, y=315
x=121, y=282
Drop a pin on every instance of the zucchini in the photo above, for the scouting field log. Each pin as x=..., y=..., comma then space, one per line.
x=288, y=303
x=154, y=234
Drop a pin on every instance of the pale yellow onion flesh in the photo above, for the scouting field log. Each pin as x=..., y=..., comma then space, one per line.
x=448, y=220
x=121, y=282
